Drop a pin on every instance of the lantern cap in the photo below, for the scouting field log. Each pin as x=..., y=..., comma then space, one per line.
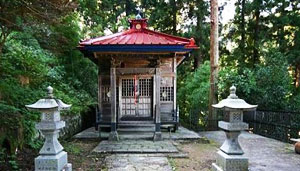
x=49, y=102
x=233, y=102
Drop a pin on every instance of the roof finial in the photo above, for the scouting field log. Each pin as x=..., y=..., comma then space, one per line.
x=50, y=92
x=232, y=93
x=138, y=16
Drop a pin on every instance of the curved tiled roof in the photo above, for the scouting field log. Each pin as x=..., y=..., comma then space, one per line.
x=139, y=35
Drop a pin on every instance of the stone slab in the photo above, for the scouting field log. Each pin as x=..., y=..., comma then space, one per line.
x=238, y=126
x=136, y=162
x=135, y=146
x=181, y=134
x=264, y=153
x=51, y=162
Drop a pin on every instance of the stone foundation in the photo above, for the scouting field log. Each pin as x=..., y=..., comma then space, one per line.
x=230, y=162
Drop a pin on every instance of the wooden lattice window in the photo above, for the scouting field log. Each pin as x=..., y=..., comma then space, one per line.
x=166, y=93
x=145, y=87
x=128, y=87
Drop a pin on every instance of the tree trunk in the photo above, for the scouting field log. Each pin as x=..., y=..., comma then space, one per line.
x=256, y=32
x=243, y=29
x=297, y=75
x=174, y=13
x=198, y=55
x=127, y=7
x=214, y=55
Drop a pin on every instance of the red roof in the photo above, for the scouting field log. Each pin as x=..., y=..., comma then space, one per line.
x=138, y=34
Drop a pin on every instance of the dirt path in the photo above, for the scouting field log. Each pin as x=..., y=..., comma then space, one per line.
x=81, y=156
x=200, y=156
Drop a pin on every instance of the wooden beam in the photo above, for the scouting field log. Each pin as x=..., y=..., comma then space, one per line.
x=180, y=59
x=124, y=71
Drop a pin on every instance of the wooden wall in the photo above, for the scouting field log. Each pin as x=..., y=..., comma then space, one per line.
x=167, y=67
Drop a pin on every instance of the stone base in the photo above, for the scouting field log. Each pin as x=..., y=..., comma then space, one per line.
x=157, y=136
x=230, y=162
x=51, y=162
x=68, y=167
x=231, y=144
x=113, y=136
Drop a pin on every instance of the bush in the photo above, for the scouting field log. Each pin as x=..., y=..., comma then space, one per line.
x=193, y=96
x=268, y=84
x=26, y=71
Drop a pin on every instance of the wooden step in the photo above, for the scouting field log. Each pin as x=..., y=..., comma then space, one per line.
x=136, y=129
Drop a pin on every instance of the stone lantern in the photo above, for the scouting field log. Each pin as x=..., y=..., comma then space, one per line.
x=230, y=156
x=52, y=157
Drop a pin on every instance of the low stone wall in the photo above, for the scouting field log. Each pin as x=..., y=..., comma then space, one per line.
x=73, y=125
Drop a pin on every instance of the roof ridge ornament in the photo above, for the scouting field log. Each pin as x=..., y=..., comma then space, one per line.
x=138, y=16
x=232, y=93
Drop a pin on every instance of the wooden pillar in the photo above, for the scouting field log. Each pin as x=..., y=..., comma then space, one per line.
x=174, y=92
x=157, y=134
x=113, y=136
x=99, y=111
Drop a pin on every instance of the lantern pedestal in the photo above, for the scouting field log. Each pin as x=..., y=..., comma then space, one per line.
x=230, y=156
x=53, y=162
x=227, y=162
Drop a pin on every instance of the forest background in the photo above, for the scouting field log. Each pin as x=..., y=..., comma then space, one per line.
x=259, y=54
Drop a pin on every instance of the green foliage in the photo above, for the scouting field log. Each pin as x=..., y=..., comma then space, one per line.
x=244, y=81
x=192, y=96
x=29, y=68
x=273, y=82
x=268, y=84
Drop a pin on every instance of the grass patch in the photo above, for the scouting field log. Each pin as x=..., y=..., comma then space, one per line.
x=173, y=164
x=72, y=148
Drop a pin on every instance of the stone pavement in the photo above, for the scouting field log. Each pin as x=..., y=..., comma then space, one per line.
x=136, y=146
x=265, y=154
x=136, y=151
x=137, y=162
x=181, y=134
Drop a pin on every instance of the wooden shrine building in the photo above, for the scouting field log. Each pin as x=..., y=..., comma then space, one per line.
x=137, y=76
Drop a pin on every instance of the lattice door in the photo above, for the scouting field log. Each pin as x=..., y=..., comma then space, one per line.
x=136, y=97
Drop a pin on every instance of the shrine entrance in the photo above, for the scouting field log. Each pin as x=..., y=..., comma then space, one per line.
x=136, y=98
